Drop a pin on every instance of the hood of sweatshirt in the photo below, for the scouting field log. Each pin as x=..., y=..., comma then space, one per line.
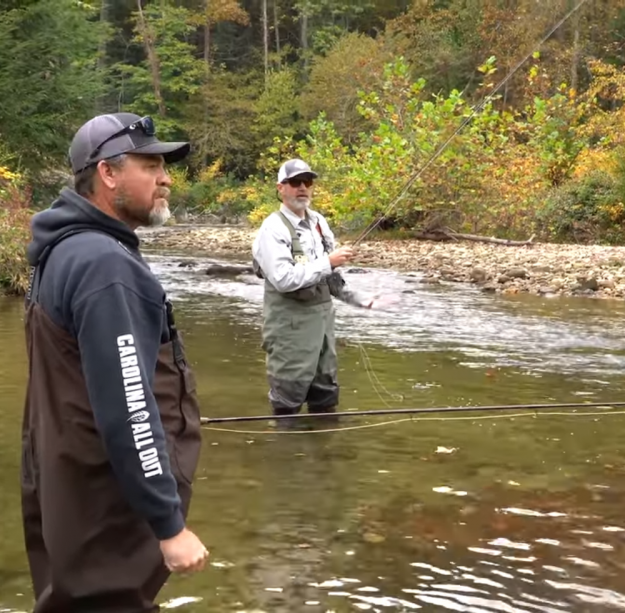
x=71, y=212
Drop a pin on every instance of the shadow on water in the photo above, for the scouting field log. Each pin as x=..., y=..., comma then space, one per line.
x=514, y=514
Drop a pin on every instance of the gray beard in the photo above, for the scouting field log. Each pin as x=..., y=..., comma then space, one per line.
x=298, y=205
x=158, y=216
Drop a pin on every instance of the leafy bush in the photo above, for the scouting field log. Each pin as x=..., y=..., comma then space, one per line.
x=209, y=193
x=14, y=232
x=586, y=210
x=506, y=173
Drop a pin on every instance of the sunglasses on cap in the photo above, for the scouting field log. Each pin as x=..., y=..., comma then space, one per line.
x=145, y=124
x=295, y=182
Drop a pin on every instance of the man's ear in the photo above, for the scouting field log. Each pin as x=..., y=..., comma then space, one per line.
x=109, y=175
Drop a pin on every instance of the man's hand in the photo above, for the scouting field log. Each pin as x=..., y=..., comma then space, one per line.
x=184, y=552
x=340, y=256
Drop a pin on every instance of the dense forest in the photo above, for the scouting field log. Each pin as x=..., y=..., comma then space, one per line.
x=364, y=90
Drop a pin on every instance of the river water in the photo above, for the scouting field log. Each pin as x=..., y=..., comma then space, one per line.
x=479, y=513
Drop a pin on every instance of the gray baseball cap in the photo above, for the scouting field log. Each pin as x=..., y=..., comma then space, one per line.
x=106, y=136
x=293, y=168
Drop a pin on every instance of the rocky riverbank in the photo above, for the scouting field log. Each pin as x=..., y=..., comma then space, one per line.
x=542, y=269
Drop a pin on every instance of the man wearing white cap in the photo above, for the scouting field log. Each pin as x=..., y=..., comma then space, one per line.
x=294, y=251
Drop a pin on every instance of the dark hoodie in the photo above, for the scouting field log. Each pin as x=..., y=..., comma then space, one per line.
x=96, y=286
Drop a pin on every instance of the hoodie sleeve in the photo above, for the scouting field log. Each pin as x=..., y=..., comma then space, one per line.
x=119, y=336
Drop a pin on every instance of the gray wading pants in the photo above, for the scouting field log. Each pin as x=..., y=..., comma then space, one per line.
x=298, y=338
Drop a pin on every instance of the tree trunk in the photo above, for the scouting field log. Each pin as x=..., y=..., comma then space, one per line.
x=276, y=27
x=207, y=38
x=576, y=54
x=100, y=105
x=265, y=40
x=150, y=49
x=304, y=34
x=207, y=69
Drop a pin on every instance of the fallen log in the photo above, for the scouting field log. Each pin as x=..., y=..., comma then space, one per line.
x=490, y=239
x=450, y=235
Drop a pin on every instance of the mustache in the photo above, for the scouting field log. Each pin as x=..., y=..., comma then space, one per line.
x=162, y=192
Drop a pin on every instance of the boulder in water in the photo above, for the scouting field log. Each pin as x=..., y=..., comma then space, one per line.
x=228, y=270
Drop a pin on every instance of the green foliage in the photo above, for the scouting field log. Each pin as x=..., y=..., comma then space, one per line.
x=277, y=109
x=219, y=121
x=500, y=174
x=362, y=179
x=585, y=210
x=355, y=63
x=555, y=136
x=180, y=74
x=49, y=77
x=213, y=192
x=383, y=84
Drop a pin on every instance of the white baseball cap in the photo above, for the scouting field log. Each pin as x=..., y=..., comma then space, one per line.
x=293, y=168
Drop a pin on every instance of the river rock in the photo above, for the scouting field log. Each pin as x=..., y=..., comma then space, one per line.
x=356, y=271
x=478, y=275
x=517, y=273
x=546, y=269
x=590, y=283
x=545, y=291
x=228, y=270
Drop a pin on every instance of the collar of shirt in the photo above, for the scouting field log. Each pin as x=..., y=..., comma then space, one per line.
x=309, y=237
x=296, y=219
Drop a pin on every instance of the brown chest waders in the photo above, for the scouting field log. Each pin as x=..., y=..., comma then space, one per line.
x=88, y=551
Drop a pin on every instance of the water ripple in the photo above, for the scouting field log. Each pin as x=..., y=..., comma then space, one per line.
x=488, y=330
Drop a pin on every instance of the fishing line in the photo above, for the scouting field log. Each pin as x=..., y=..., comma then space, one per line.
x=374, y=379
x=464, y=123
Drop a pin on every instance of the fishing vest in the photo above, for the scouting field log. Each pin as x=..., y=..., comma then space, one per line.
x=315, y=294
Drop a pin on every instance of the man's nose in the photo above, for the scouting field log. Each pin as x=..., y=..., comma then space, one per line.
x=165, y=179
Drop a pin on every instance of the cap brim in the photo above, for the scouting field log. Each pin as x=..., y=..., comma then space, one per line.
x=171, y=152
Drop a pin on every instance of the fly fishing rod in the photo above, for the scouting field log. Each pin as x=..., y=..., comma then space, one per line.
x=437, y=153
x=415, y=411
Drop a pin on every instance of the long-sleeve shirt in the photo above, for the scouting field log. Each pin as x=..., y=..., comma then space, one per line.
x=272, y=251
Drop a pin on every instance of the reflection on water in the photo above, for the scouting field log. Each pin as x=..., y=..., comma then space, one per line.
x=513, y=514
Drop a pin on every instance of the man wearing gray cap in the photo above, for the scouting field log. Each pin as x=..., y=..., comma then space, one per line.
x=294, y=252
x=111, y=429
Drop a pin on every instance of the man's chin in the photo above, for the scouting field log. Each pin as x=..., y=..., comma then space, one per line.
x=160, y=214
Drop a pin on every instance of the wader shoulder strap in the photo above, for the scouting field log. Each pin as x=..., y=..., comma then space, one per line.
x=324, y=241
x=296, y=246
x=179, y=358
